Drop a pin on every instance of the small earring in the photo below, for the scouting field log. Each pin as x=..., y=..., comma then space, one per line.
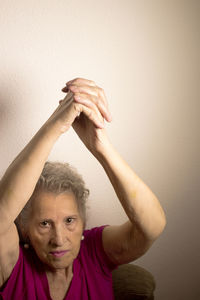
x=82, y=238
x=26, y=246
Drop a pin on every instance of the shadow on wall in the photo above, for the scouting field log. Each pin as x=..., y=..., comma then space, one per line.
x=13, y=90
x=10, y=104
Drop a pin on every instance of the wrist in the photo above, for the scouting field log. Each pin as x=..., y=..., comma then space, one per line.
x=54, y=129
x=104, y=150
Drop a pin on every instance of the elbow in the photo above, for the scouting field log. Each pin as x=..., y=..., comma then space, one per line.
x=163, y=220
x=157, y=229
x=160, y=222
x=163, y=224
x=160, y=226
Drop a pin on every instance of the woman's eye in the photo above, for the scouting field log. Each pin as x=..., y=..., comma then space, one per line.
x=69, y=220
x=44, y=224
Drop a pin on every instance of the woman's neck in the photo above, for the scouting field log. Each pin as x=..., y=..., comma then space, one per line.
x=65, y=273
x=59, y=282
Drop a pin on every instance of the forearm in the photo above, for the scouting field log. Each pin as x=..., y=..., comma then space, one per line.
x=19, y=181
x=140, y=204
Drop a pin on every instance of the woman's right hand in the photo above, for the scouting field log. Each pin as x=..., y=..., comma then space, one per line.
x=68, y=110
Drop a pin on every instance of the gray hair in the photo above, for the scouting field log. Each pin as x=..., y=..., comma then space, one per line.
x=57, y=178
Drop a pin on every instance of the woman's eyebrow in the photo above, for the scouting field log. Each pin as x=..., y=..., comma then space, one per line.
x=45, y=219
x=65, y=217
x=71, y=216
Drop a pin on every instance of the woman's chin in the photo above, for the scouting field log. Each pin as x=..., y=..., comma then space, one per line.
x=57, y=263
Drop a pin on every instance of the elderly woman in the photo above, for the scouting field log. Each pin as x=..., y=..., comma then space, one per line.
x=49, y=254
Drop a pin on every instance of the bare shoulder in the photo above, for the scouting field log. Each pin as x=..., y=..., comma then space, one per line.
x=9, y=252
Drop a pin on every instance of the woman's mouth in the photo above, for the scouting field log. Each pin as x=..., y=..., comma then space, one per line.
x=58, y=253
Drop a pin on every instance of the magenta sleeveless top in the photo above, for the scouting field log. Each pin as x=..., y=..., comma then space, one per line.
x=92, y=278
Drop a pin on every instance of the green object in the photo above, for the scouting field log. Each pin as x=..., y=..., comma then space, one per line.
x=132, y=282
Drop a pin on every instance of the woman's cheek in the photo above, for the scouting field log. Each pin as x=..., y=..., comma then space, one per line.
x=40, y=236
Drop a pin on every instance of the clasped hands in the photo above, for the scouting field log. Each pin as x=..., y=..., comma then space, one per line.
x=89, y=95
x=84, y=108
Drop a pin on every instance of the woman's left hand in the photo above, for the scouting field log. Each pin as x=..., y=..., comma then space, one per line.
x=87, y=93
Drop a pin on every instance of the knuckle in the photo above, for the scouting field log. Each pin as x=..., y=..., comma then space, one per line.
x=77, y=79
x=77, y=94
x=74, y=80
x=98, y=101
x=90, y=115
x=77, y=107
x=89, y=96
x=100, y=91
x=96, y=91
x=92, y=82
x=80, y=79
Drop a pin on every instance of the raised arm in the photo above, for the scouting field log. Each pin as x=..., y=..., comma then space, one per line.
x=18, y=182
x=146, y=219
x=20, y=179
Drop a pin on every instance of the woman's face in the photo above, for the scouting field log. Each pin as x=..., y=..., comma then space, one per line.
x=55, y=229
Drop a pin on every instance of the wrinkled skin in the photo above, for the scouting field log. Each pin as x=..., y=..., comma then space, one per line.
x=55, y=225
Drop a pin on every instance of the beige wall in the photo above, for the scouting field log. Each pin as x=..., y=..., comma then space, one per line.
x=145, y=54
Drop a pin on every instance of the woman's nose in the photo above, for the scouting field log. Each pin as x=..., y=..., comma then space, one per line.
x=58, y=237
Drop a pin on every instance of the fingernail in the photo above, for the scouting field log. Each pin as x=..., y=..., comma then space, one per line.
x=109, y=118
x=102, y=125
x=65, y=89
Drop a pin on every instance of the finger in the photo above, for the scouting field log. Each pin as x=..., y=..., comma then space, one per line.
x=85, y=101
x=83, y=81
x=65, y=89
x=88, y=103
x=92, y=102
x=68, y=97
x=80, y=81
x=85, y=85
x=100, y=97
x=103, y=95
x=83, y=89
x=91, y=115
